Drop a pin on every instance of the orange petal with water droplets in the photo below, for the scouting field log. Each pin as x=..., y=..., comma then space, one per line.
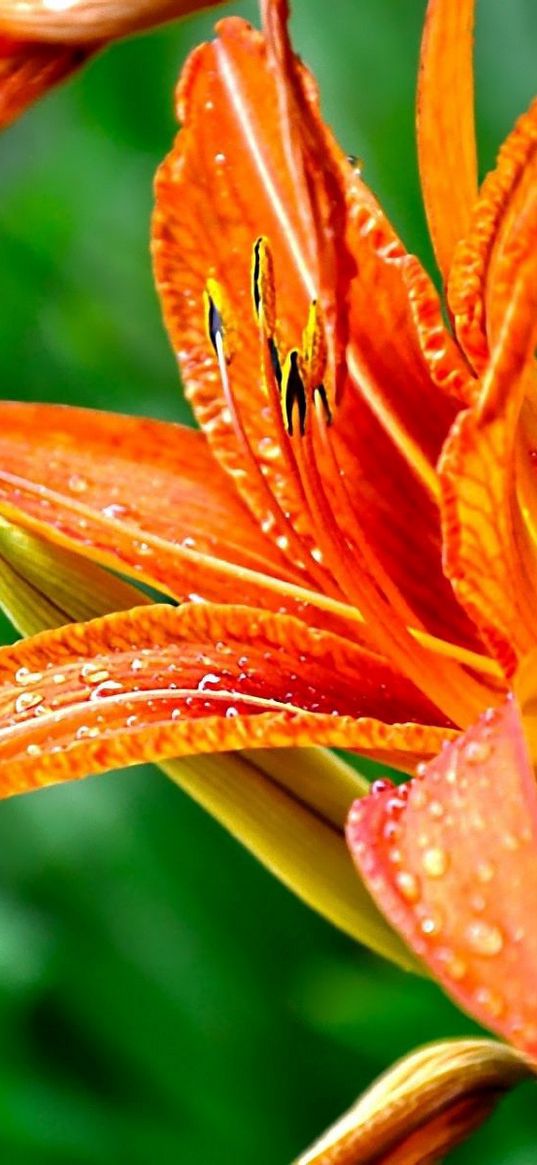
x=28, y=71
x=451, y=859
x=445, y=124
x=159, y=682
x=133, y=472
x=95, y=483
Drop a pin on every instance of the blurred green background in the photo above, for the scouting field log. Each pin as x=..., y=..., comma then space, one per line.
x=163, y=1000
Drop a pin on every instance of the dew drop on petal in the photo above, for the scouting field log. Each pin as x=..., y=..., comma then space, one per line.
x=27, y=700
x=484, y=938
x=431, y=923
x=485, y=871
x=476, y=752
x=105, y=689
x=492, y=1001
x=24, y=676
x=408, y=885
x=207, y=680
x=452, y=963
x=77, y=483
x=92, y=674
x=435, y=862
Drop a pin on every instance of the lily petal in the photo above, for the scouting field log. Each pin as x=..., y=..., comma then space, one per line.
x=485, y=554
x=452, y=861
x=122, y=469
x=280, y=804
x=42, y=43
x=445, y=123
x=27, y=72
x=159, y=682
x=425, y=1105
x=470, y=276
x=82, y=21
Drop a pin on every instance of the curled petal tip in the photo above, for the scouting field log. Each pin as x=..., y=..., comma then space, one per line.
x=422, y=1107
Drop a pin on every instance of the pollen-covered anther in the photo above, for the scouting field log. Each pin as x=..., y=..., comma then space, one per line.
x=264, y=286
x=314, y=347
x=218, y=320
x=294, y=400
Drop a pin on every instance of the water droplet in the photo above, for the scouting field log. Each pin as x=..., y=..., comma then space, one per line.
x=453, y=965
x=317, y=555
x=431, y=924
x=381, y=786
x=92, y=674
x=105, y=689
x=436, y=810
x=114, y=510
x=476, y=752
x=418, y=798
x=59, y=678
x=485, y=871
x=408, y=885
x=282, y=542
x=268, y=448
x=24, y=676
x=34, y=750
x=435, y=862
x=77, y=483
x=231, y=712
x=207, y=680
x=137, y=664
x=484, y=938
x=27, y=700
x=491, y=1000
x=219, y=159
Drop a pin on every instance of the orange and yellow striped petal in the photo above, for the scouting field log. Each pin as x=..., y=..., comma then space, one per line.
x=445, y=124
x=159, y=682
x=451, y=859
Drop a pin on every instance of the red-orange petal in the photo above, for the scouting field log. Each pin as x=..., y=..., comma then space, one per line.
x=146, y=499
x=470, y=273
x=445, y=124
x=28, y=71
x=451, y=859
x=486, y=556
x=159, y=682
x=137, y=474
x=82, y=21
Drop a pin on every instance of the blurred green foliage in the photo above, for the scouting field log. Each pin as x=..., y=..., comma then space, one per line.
x=161, y=998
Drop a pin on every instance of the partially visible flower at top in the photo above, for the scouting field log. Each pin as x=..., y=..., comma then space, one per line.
x=43, y=41
x=353, y=535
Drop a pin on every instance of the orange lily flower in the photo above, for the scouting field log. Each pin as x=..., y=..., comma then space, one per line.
x=348, y=435
x=323, y=514
x=43, y=41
